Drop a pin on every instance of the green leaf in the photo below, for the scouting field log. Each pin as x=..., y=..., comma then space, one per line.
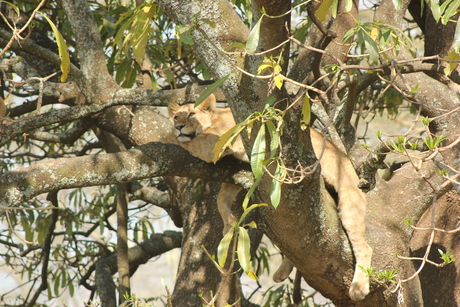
x=334, y=8
x=450, y=11
x=244, y=252
x=274, y=138
x=15, y=8
x=62, y=50
x=226, y=139
x=101, y=225
x=385, y=36
x=57, y=284
x=435, y=9
x=41, y=234
x=247, y=210
x=369, y=43
x=269, y=102
x=27, y=229
x=258, y=153
x=145, y=233
x=456, y=44
x=275, y=188
x=433, y=142
x=250, y=192
x=235, y=46
x=348, y=37
x=211, y=89
x=253, y=38
x=50, y=295
x=348, y=5
x=409, y=221
x=252, y=224
x=136, y=234
x=212, y=24
x=184, y=33
x=71, y=289
x=306, y=113
x=141, y=29
x=64, y=279
x=447, y=257
x=397, y=4
x=222, y=249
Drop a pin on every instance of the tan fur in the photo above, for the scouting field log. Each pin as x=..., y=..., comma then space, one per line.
x=198, y=129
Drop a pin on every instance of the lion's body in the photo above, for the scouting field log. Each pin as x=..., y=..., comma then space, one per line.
x=198, y=129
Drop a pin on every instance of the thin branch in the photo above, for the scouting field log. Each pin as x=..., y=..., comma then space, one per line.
x=47, y=248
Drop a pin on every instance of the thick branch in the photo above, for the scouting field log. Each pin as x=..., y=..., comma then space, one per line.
x=91, y=55
x=146, y=161
x=118, y=97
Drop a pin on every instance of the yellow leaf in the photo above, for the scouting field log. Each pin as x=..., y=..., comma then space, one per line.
x=224, y=245
x=263, y=67
x=244, y=252
x=252, y=275
x=306, y=112
x=62, y=49
x=450, y=66
x=249, y=126
x=252, y=224
x=225, y=140
x=278, y=81
x=323, y=10
x=374, y=32
x=277, y=68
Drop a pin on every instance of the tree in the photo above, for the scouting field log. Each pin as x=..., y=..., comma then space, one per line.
x=93, y=124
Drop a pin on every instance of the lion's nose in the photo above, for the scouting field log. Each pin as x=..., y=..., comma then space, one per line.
x=179, y=127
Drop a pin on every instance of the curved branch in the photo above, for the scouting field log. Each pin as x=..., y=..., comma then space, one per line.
x=31, y=48
x=68, y=137
x=146, y=161
x=117, y=97
x=156, y=245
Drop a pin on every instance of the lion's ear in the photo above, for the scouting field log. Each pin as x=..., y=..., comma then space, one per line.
x=209, y=104
x=172, y=108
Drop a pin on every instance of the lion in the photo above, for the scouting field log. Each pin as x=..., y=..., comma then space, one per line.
x=198, y=129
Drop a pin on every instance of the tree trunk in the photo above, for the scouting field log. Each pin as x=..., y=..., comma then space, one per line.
x=198, y=281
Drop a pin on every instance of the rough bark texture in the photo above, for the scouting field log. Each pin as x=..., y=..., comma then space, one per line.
x=196, y=275
x=305, y=226
x=440, y=286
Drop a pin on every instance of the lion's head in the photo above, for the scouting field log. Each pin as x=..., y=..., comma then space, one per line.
x=190, y=121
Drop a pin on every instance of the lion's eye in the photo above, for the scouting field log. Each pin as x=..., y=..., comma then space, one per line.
x=176, y=117
x=191, y=114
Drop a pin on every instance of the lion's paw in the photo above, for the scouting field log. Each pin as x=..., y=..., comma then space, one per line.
x=359, y=290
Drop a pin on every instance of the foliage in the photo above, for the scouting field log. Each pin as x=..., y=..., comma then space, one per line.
x=383, y=276
x=58, y=243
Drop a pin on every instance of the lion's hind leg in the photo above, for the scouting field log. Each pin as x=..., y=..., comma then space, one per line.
x=227, y=195
x=283, y=271
x=352, y=211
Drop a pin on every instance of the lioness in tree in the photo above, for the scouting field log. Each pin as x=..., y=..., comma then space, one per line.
x=198, y=129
